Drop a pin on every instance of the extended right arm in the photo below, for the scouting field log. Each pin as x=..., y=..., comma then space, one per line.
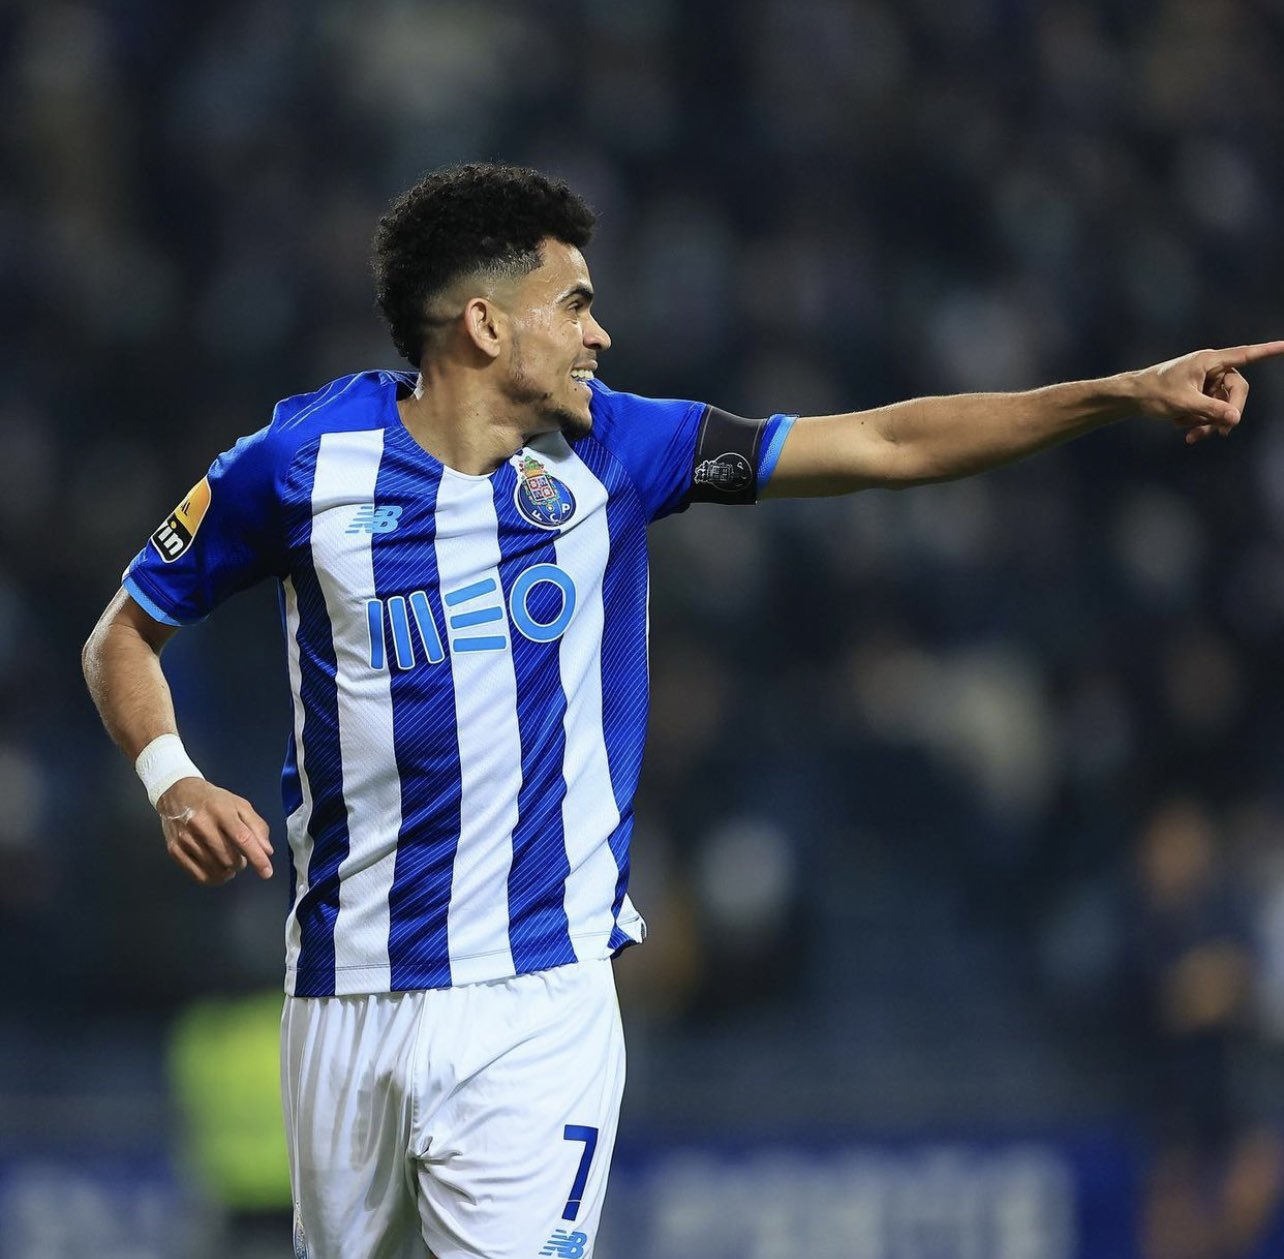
x=937, y=439
x=209, y=832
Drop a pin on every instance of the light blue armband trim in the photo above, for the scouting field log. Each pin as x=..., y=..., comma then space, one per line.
x=769, y=457
x=148, y=605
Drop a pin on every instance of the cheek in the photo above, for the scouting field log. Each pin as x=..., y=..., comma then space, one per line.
x=563, y=349
x=549, y=342
x=549, y=346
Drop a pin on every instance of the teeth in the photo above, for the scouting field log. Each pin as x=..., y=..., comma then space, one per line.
x=582, y=373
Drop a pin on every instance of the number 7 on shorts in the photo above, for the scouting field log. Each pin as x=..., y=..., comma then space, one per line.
x=578, y=1132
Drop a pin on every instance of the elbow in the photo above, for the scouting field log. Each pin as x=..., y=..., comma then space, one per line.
x=91, y=655
x=124, y=632
x=898, y=462
x=906, y=468
x=94, y=651
x=919, y=464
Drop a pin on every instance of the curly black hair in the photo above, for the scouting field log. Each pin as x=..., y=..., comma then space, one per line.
x=478, y=217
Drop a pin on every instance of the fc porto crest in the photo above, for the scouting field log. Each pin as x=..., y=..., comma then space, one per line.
x=540, y=497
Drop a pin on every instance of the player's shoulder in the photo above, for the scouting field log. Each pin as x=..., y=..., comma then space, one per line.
x=629, y=416
x=614, y=403
x=361, y=401
x=356, y=401
x=649, y=440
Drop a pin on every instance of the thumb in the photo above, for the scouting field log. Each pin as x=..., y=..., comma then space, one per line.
x=1205, y=410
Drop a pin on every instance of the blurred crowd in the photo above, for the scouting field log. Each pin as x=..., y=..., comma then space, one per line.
x=917, y=760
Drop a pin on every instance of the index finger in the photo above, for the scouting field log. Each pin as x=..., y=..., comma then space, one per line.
x=1238, y=355
x=254, y=845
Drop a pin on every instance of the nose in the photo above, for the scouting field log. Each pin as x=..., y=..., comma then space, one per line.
x=595, y=336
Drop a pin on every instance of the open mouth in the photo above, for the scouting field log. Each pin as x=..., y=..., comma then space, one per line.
x=582, y=376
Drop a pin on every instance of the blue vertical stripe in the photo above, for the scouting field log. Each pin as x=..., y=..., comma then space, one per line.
x=625, y=685
x=538, y=932
x=424, y=730
x=291, y=787
x=328, y=825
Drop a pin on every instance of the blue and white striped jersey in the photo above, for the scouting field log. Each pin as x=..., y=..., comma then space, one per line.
x=468, y=662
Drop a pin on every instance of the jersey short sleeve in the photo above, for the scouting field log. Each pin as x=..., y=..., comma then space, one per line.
x=223, y=536
x=679, y=452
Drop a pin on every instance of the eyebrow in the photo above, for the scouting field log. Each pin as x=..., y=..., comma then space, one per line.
x=578, y=290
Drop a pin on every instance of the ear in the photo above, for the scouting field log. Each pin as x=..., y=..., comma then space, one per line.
x=486, y=326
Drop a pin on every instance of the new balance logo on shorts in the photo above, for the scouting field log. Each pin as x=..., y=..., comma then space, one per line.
x=372, y=519
x=565, y=1245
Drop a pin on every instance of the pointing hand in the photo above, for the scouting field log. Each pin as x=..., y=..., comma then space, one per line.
x=1202, y=393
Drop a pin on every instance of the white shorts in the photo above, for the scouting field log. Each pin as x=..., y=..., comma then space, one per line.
x=458, y=1123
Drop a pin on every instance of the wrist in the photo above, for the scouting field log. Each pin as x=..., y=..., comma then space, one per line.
x=162, y=763
x=1122, y=393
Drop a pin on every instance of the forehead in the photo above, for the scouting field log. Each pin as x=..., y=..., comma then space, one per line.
x=561, y=269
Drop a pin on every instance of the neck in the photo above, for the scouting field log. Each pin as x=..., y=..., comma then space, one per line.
x=471, y=432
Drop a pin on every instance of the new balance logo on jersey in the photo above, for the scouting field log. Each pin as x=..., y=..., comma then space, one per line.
x=372, y=519
x=565, y=1245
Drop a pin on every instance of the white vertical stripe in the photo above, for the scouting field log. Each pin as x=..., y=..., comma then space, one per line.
x=490, y=746
x=347, y=467
x=630, y=921
x=589, y=814
x=296, y=825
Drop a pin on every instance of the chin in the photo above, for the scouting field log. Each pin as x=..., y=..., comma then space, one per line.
x=575, y=424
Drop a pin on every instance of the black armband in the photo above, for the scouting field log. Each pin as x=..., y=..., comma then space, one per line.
x=725, y=469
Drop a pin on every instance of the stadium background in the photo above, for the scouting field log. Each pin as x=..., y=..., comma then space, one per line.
x=924, y=769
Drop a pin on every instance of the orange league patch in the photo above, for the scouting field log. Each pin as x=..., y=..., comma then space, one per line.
x=176, y=534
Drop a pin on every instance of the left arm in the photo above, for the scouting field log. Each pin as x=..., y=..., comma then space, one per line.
x=938, y=439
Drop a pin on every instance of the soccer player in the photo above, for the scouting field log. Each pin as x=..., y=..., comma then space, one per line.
x=461, y=552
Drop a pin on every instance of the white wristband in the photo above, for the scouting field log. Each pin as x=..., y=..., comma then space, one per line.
x=162, y=763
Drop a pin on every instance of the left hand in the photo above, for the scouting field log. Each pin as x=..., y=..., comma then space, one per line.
x=1202, y=392
x=211, y=834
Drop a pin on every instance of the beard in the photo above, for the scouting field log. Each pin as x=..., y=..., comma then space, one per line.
x=572, y=426
x=545, y=414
